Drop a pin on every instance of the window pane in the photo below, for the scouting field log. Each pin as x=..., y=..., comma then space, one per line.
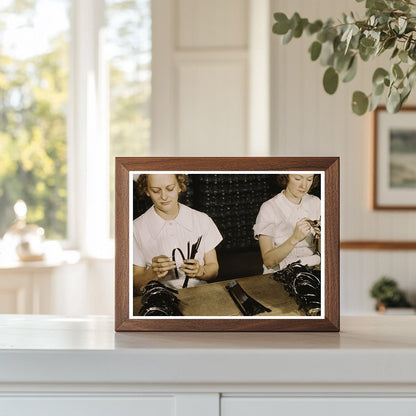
x=33, y=99
x=129, y=46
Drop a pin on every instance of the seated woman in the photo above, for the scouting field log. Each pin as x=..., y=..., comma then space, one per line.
x=288, y=225
x=167, y=231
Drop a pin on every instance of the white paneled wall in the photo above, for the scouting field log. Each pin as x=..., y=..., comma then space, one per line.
x=212, y=24
x=222, y=86
x=305, y=121
x=202, y=108
x=217, y=122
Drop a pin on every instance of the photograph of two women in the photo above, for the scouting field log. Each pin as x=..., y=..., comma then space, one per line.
x=227, y=244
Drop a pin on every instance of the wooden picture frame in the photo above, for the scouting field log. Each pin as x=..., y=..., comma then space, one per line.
x=394, y=159
x=326, y=168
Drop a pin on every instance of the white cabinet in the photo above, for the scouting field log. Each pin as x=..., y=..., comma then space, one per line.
x=322, y=406
x=88, y=406
x=80, y=366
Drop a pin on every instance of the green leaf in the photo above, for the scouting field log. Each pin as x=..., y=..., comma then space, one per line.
x=341, y=61
x=355, y=41
x=314, y=27
x=288, y=37
x=394, y=26
x=281, y=27
x=366, y=53
x=408, y=42
x=374, y=101
x=351, y=18
x=389, y=43
x=322, y=36
x=395, y=52
x=412, y=79
x=393, y=101
x=411, y=76
x=379, y=75
x=359, y=103
x=367, y=42
x=298, y=30
x=376, y=4
x=315, y=50
x=351, y=71
x=327, y=53
x=294, y=20
x=348, y=34
x=402, y=24
x=404, y=95
x=412, y=52
x=412, y=70
x=337, y=45
x=403, y=56
x=399, y=85
x=378, y=89
x=383, y=18
x=400, y=5
x=366, y=48
x=397, y=71
x=330, y=80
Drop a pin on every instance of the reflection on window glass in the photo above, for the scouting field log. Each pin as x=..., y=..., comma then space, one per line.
x=33, y=100
x=129, y=48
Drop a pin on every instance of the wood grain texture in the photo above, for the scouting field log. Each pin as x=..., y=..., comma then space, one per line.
x=121, y=244
x=330, y=165
x=378, y=245
x=332, y=266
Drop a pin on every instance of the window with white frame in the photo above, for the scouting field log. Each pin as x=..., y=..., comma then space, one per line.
x=75, y=86
x=33, y=99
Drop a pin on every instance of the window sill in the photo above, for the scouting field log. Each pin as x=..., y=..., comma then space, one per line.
x=51, y=260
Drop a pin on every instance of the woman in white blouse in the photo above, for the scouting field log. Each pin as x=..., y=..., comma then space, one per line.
x=167, y=231
x=288, y=225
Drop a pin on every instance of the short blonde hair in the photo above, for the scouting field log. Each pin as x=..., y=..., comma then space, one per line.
x=142, y=183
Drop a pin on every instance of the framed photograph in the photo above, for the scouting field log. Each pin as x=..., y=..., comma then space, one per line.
x=227, y=244
x=394, y=159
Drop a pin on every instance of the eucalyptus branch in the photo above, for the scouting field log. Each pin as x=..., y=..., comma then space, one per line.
x=389, y=25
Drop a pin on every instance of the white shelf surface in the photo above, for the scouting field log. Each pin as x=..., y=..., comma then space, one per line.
x=372, y=351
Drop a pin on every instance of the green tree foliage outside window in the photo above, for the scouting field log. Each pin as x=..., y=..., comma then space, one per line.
x=33, y=100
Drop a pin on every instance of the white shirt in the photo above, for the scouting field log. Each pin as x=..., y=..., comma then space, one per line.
x=278, y=217
x=153, y=236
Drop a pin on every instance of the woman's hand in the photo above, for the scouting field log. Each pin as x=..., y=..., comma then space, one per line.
x=192, y=268
x=161, y=265
x=317, y=229
x=302, y=229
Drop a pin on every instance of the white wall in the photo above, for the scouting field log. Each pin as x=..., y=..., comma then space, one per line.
x=308, y=122
x=211, y=92
x=201, y=80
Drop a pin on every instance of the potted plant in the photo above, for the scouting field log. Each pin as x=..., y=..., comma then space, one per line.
x=387, y=294
x=389, y=27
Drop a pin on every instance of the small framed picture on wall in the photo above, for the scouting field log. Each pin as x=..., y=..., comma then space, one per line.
x=394, y=159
